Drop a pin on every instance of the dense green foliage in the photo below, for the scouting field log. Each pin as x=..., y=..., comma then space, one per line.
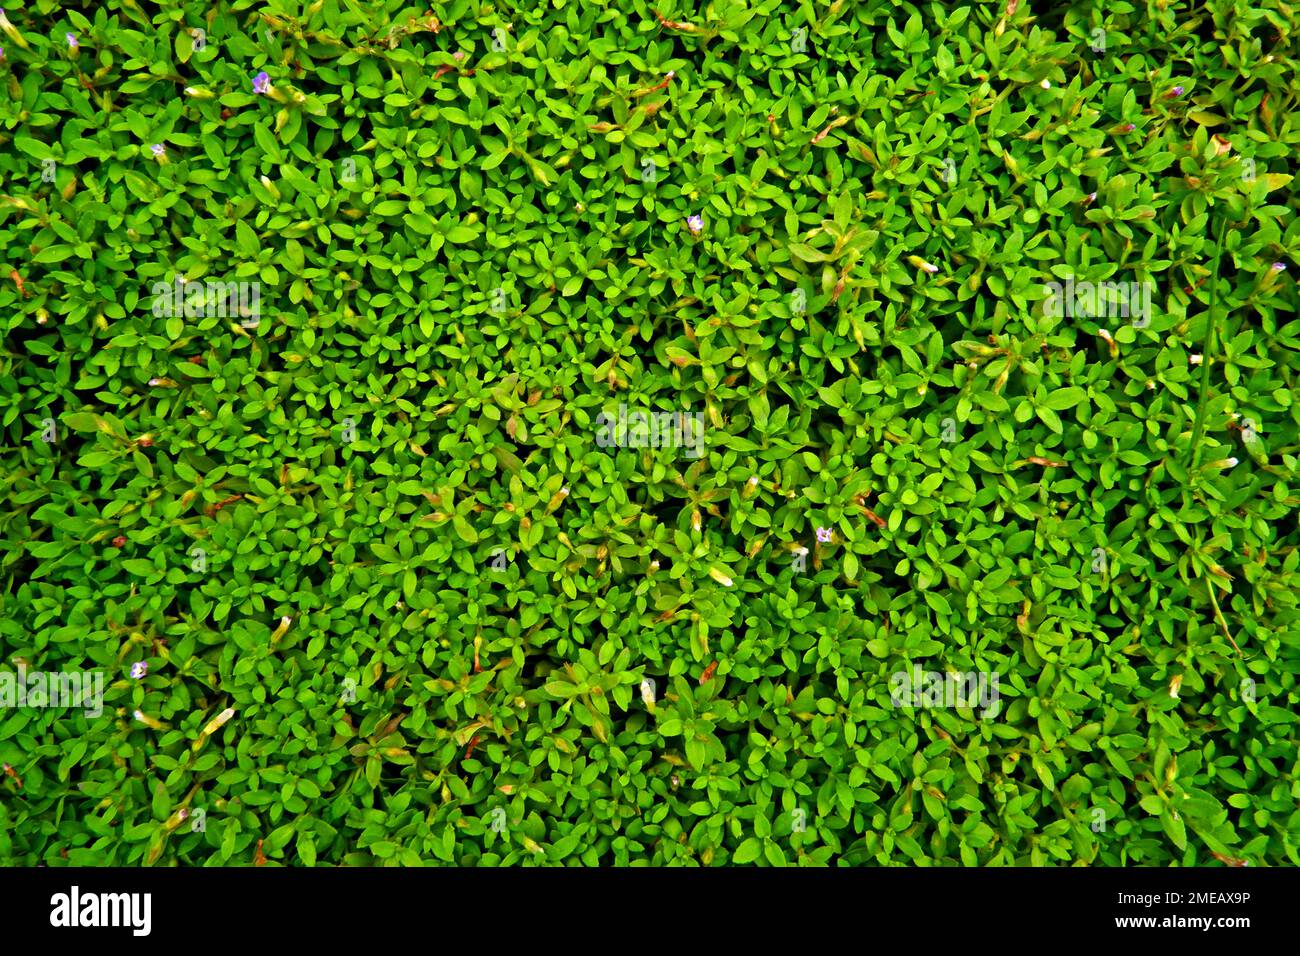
x=378, y=531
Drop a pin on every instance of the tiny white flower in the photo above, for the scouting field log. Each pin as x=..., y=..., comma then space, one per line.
x=1196, y=358
x=155, y=381
x=1046, y=84
x=753, y=481
x=1232, y=462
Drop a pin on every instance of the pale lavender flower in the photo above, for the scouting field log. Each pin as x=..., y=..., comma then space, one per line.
x=824, y=535
x=1176, y=91
x=1279, y=267
x=139, y=669
x=695, y=224
x=262, y=83
x=158, y=150
x=72, y=41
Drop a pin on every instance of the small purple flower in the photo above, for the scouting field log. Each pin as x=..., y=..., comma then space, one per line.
x=262, y=83
x=1176, y=91
x=824, y=535
x=695, y=224
x=139, y=669
x=1129, y=127
x=1279, y=267
x=2, y=53
x=158, y=150
x=458, y=55
x=72, y=41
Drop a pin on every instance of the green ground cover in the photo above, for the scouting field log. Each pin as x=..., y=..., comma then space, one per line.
x=584, y=433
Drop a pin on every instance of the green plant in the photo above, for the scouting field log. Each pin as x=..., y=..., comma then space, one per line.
x=344, y=500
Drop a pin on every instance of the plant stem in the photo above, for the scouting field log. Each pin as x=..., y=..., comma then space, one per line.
x=1207, y=352
x=1219, y=616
